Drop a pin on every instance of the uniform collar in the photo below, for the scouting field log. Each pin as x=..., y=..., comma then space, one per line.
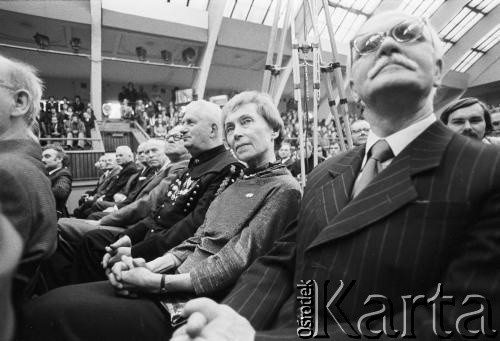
x=206, y=155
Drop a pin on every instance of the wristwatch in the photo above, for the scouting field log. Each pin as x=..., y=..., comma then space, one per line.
x=163, y=289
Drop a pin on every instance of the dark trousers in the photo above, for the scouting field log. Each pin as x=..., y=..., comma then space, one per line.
x=92, y=311
x=86, y=265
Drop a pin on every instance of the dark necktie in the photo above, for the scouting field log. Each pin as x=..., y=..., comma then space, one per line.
x=379, y=153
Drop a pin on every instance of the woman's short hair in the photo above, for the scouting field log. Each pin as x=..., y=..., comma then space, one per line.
x=453, y=106
x=265, y=107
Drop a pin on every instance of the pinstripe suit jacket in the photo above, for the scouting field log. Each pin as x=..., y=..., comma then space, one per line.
x=432, y=216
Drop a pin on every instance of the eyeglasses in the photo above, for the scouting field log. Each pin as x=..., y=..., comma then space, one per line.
x=404, y=32
x=175, y=137
x=357, y=131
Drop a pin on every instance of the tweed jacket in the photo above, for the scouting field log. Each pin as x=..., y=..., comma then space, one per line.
x=182, y=210
x=61, y=181
x=240, y=224
x=429, y=220
x=27, y=202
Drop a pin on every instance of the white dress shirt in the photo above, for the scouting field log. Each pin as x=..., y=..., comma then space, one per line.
x=397, y=141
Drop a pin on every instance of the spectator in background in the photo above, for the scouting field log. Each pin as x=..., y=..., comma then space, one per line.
x=110, y=169
x=75, y=129
x=121, y=95
x=142, y=95
x=125, y=159
x=78, y=106
x=495, y=123
x=140, y=157
x=359, y=132
x=285, y=154
x=159, y=129
x=56, y=128
x=469, y=117
x=334, y=149
x=131, y=93
x=60, y=177
x=126, y=110
x=89, y=124
x=51, y=103
x=25, y=193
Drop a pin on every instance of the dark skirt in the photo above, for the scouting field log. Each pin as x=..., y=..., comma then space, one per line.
x=92, y=311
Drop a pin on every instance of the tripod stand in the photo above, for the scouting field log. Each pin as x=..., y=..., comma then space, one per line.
x=273, y=85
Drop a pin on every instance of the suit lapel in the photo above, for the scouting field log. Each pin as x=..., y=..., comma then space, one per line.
x=390, y=190
x=334, y=194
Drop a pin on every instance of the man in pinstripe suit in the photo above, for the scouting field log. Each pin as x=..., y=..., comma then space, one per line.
x=426, y=224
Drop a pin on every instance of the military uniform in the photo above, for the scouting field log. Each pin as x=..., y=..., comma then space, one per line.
x=175, y=219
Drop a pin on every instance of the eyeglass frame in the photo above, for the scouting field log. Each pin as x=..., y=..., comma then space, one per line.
x=423, y=21
x=176, y=137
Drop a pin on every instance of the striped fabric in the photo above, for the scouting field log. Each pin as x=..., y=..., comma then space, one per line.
x=432, y=216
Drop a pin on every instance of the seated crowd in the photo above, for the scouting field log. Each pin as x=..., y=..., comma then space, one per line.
x=66, y=123
x=210, y=207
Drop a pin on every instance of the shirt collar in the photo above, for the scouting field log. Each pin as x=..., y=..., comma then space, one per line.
x=400, y=139
x=54, y=170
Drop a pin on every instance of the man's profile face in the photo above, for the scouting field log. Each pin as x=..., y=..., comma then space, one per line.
x=196, y=130
x=468, y=121
x=394, y=68
x=495, y=122
x=50, y=159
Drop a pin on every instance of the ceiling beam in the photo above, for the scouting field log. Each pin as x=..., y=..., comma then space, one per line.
x=485, y=70
x=447, y=11
x=215, y=15
x=472, y=37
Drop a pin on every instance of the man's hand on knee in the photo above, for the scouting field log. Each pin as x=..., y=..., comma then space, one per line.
x=210, y=321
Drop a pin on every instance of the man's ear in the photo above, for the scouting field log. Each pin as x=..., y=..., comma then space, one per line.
x=438, y=73
x=22, y=103
x=214, y=131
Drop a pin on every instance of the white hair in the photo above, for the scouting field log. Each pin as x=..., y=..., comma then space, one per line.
x=23, y=76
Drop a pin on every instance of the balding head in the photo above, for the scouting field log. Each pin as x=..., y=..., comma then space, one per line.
x=202, y=127
x=20, y=95
x=124, y=155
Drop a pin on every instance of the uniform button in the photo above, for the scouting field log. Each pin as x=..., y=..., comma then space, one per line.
x=152, y=230
x=191, y=199
x=188, y=204
x=194, y=192
x=159, y=217
x=185, y=210
x=163, y=205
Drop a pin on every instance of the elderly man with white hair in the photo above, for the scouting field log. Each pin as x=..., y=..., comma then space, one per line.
x=26, y=197
x=396, y=238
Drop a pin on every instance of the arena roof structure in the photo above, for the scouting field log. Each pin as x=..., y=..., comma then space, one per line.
x=220, y=45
